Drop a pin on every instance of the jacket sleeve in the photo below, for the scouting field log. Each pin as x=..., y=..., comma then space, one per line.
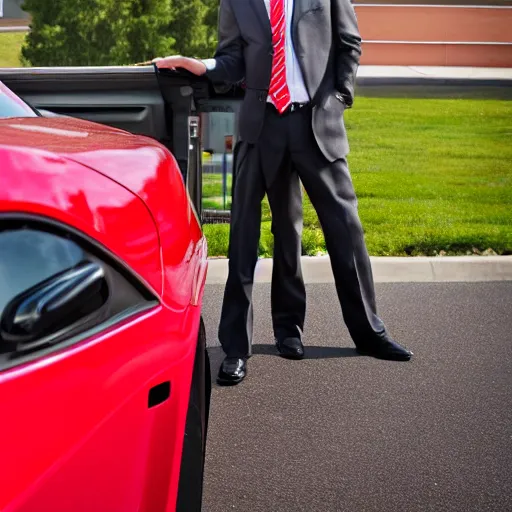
x=228, y=62
x=347, y=43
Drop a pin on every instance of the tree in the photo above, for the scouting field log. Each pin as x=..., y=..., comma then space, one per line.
x=141, y=32
x=97, y=32
x=188, y=28
x=210, y=21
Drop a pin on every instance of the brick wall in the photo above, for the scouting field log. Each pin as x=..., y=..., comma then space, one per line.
x=425, y=35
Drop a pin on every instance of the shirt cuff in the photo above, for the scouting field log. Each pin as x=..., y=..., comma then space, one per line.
x=210, y=64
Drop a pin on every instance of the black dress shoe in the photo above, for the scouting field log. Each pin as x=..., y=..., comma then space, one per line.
x=384, y=347
x=232, y=371
x=290, y=348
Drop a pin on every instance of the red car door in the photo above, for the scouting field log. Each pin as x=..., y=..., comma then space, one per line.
x=90, y=381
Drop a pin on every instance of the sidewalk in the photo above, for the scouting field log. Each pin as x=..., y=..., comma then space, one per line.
x=17, y=28
x=389, y=269
x=434, y=82
x=421, y=73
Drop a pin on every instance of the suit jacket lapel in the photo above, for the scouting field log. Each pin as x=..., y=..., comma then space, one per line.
x=262, y=14
x=299, y=8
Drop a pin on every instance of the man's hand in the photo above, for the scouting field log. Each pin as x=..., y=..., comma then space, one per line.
x=173, y=62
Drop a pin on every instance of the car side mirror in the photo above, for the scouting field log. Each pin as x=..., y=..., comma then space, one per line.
x=48, y=308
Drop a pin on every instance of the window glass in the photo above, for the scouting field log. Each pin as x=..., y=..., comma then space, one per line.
x=12, y=106
x=28, y=257
x=57, y=289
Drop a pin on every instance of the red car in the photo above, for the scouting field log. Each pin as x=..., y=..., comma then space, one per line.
x=104, y=377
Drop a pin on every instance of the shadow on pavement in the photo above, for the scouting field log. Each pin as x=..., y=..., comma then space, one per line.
x=311, y=352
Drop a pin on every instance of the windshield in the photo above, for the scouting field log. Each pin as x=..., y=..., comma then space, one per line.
x=12, y=106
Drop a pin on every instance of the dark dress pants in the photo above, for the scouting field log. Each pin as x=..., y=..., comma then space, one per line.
x=286, y=153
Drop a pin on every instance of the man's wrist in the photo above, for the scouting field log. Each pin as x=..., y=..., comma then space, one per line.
x=210, y=64
x=194, y=65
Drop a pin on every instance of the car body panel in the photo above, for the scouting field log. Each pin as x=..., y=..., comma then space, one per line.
x=144, y=167
x=81, y=434
x=42, y=183
x=88, y=439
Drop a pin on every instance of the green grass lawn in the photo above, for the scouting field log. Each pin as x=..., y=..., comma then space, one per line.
x=432, y=176
x=10, y=47
x=212, y=192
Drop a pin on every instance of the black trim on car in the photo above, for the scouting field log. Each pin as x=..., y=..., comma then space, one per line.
x=190, y=488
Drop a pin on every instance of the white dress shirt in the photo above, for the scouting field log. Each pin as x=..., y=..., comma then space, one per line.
x=294, y=78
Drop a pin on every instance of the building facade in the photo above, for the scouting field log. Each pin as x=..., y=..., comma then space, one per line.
x=11, y=9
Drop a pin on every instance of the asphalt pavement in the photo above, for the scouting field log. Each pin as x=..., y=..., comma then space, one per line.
x=342, y=432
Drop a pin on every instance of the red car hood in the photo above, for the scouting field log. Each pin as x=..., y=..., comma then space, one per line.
x=138, y=163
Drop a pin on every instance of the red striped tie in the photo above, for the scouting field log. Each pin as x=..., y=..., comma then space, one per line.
x=278, y=90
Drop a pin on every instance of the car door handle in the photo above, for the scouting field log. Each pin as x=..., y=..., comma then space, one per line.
x=159, y=394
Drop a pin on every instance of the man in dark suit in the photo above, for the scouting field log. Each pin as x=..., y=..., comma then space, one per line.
x=298, y=59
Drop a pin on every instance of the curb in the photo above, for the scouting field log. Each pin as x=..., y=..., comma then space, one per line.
x=422, y=269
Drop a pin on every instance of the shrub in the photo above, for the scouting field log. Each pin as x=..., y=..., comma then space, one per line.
x=96, y=32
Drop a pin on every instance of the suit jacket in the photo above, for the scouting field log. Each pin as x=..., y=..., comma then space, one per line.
x=328, y=46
